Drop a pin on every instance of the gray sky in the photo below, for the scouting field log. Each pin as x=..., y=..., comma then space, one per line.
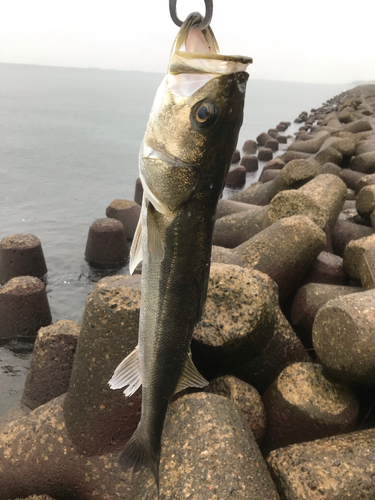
x=324, y=41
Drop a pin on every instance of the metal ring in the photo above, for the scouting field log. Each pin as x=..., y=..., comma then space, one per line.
x=202, y=25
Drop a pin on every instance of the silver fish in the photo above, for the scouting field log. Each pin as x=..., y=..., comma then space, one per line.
x=184, y=159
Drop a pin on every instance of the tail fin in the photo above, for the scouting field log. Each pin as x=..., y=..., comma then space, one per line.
x=135, y=455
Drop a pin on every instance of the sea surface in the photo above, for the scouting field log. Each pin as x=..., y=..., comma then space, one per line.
x=69, y=142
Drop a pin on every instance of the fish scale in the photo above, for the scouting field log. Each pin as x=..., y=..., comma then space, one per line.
x=184, y=160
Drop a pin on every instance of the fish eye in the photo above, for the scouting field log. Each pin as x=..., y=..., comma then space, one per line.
x=204, y=114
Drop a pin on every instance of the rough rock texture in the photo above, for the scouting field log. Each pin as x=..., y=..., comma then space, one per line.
x=208, y=452
x=303, y=404
x=37, y=457
x=285, y=251
x=246, y=397
x=344, y=337
x=307, y=302
x=238, y=321
x=353, y=253
x=51, y=363
x=24, y=307
x=127, y=212
x=21, y=255
x=98, y=418
x=232, y=230
x=334, y=468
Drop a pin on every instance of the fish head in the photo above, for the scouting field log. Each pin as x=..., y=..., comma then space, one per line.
x=195, y=119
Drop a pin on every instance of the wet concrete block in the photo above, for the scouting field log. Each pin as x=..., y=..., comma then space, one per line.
x=250, y=147
x=106, y=244
x=24, y=307
x=236, y=177
x=21, y=255
x=250, y=162
x=127, y=212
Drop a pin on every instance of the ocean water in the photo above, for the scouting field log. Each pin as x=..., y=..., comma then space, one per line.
x=69, y=142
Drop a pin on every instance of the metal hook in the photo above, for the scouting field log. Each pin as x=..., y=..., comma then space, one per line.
x=201, y=26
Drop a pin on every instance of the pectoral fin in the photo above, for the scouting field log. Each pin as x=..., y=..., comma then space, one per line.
x=155, y=246
x=190, y=376
x=127, y=374
x=136, y=248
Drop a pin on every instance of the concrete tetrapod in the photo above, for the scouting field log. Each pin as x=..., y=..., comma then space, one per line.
x=232, y=230
x=246, y=397
x=208, y=452
x=332, y=468
x=304, y=404
x=307, y=302
x=37, y=456
x=21, y=255
x=238, y=321
x=321, y=199
x=285, y=251
x=99, y=419
x=51, y=363
x=344, y=337
x=293, y=175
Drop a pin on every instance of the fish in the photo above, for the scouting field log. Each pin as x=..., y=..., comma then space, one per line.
x=184, y=159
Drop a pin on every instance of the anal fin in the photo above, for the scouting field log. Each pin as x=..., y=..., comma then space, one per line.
x=190, y=377
x=127, y=374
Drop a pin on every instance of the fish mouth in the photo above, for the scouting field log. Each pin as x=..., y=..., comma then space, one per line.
x=196, y=51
